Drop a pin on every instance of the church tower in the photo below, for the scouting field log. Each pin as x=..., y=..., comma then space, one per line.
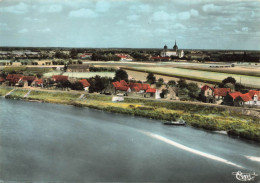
x=175, y=47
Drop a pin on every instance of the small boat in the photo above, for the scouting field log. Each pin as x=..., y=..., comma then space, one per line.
x=179, y=122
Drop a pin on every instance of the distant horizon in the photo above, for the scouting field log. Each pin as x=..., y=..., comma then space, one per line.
x=56, y=47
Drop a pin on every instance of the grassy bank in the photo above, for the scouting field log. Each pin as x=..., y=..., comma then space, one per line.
x=200, y=116
x=4, y=90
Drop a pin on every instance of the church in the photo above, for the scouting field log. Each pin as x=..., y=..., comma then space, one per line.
x=174, y=52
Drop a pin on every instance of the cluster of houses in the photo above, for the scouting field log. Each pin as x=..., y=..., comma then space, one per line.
x=227, y=97
x=115, y=88
x=122, y=88
x=132, y=89
x=20, y=80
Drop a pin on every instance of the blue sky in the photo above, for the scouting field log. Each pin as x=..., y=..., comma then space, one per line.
x=194, y=24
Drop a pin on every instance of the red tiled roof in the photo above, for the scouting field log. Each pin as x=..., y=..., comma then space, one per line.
x=28, y=78
x=60, y=78
x=221, y=91
x=254, y=92
x=245, y=97
x=151, y=90
x=123, y=83
x=14, y=78
x=120, y=86
x=85, y=83
x=205, y=87
x=136, y=89
x=140, y=86
x=2, y=79
x=121, y=56
x=38, y=81
x=234, y=95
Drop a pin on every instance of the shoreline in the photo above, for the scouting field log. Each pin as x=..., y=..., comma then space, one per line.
x=210, y=118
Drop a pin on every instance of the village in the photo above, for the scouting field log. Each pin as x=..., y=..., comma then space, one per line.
x=226, y=93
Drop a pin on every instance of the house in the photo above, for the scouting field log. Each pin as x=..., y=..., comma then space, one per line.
x=85, y=84
x=37, y=83
x=85, y=56
x=26, y=81
x=2, y=80
x=220, y=94
x=250, y=99
x=121, y=87
x=59, y=78
x=124, y=57
x=13, y=78
x=139, y=87
x=207, y=94
x=213, y=95
x=152, y=93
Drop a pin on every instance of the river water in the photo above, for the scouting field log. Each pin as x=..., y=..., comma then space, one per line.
x=56, y=143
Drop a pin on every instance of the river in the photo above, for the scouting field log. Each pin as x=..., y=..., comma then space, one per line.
x=42, y=142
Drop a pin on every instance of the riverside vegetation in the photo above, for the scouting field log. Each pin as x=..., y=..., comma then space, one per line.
x=207, y=117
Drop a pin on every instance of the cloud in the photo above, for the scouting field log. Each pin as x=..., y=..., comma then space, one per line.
x=83, y=13
x=102, y=6
x=20, y=8
x=4, y=26
x=120, y=22
x=23, y=31
x=244, y=29
x=163, y=16
x=143, y=8
x=194, y=12
x=179, y=26
x=132, y=17
x=184, y=15
x=53, y=8
x=216, y=28
x=161, y=31
x=44, y=30
x=29, y=19
x=211, y=8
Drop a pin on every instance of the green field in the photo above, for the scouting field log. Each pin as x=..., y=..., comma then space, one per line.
x=250, y=81
x=81, y=74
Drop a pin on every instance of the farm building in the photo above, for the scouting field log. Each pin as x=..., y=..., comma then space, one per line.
x=250, y=99
x=85, y=84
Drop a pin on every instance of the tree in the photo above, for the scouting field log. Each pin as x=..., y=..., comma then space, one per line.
x=239, y=87
x=171, y=83
x=182, y=83
x=73, y=53
x=121, y=75
x=76, y=86
x=229, y=80
x=194, y=90
x=150, y=78
x=160, y=82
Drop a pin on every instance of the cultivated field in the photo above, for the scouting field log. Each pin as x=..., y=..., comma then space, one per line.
x=89, y=74
x=251, y=81
x=80, y=74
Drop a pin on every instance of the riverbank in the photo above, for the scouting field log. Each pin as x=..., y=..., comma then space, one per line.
x=213, y=118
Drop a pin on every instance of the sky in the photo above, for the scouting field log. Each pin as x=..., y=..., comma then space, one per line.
x=194, y=24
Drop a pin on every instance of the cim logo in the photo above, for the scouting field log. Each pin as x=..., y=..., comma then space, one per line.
x=244, y=176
